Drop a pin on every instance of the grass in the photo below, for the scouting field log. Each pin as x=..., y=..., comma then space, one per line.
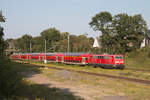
x=139, y=63
x=123, y=73
x=27, y=90
x=104, y=86
x=138, y=59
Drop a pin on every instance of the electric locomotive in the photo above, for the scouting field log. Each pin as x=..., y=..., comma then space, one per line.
x=96, y=60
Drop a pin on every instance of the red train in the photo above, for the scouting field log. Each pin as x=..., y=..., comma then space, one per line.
x=96, y=60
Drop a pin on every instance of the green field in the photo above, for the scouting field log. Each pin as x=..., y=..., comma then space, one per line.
x=116, y=72
x=104, y=86
x=140, y=63
x=17, y=87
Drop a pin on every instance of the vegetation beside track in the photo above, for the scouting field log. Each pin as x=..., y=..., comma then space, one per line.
x=138, y=60
x=98, y=86
x=116, y=72
x=16, y=86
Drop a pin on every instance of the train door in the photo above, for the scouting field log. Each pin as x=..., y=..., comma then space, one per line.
x=62, y=59
x=39, y=58
x=43, y=57
x=94, y=59
x=57, y=58
x=29, y=57
x=83, y=60
x=89, y=59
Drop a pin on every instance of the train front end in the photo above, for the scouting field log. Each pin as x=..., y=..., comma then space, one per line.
x=118, y=61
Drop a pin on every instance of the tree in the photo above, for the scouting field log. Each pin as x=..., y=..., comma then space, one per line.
x=121, y=33
x=64, y=42
x=23, y=43
x=2, y=18
x=101, y=21
x=8, y=77
x=55, y=42
x=83, y=43
x=2, y=43
x=52, y=36
x=37, y=44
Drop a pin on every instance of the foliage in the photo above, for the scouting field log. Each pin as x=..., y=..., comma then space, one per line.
x=120, y=33
x=9, y=78
x=55, y=42
x=148, y=55
x=101, y=21
x=132, y=54
x=138, y=59
x=15, y=87
x=2, y=18
x=2, y=43
x=24, y=43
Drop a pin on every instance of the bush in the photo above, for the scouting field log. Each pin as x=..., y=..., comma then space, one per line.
x=9, y=77
x=148, y=55
x=132, y=54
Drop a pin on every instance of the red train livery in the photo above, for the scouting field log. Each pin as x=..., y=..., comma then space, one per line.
x=96, y=60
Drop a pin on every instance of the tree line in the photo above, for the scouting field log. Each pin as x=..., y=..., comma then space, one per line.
x=120, y=34
x=55, y=42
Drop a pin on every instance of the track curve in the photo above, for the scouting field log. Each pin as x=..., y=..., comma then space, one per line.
x=147, y=82
x=143, y=70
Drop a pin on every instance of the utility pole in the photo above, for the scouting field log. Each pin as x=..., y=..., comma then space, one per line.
x=30, y=48
x=68, y=43
x=45, y=61
x=45, y=46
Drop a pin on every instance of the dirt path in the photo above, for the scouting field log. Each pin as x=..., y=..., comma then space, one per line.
x=84, y=91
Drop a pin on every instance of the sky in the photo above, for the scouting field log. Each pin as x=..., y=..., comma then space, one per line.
x=34, y=16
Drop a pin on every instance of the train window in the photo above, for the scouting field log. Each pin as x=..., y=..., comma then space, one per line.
x=99, y=57
x=86, y=58
x=106, y=57
x=94, y=57
x=102, y=57
x=118, y=57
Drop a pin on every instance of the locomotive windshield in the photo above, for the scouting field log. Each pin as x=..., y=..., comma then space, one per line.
x=119, y=57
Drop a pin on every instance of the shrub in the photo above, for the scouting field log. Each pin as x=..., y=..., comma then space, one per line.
x=148, y=55
x=132, y=54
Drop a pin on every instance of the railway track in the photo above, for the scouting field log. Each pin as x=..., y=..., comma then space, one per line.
x=147, y=82
x=143, y=70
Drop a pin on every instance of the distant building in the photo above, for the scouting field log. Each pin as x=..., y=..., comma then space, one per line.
x=146, y=41
x=96, y=43
x=143, y=43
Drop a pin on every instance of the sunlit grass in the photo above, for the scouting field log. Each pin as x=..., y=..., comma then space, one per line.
x=28, y=90
x=105, y=86
x=140, y=63
x=117, y=72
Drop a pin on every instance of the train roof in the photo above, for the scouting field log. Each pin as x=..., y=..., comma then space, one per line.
x=69, y=54
x=76, y=54
x=107, y=55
